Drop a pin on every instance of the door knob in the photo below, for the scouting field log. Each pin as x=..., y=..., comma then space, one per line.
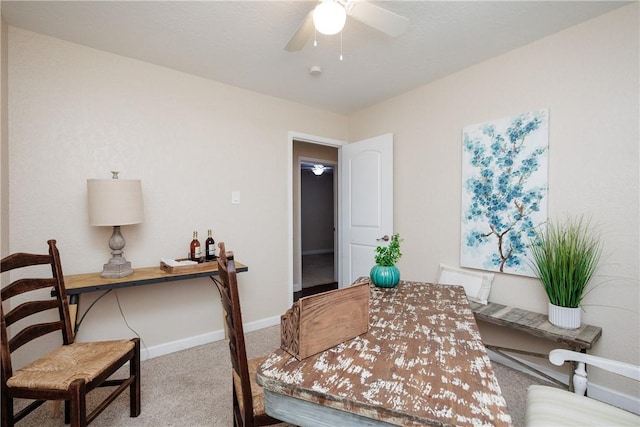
x=385, y=238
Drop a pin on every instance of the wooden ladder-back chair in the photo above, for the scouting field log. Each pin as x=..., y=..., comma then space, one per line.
x=248, y=398
x=72, y=369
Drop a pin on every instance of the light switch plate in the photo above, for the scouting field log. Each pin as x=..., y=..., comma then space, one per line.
x=235, y=197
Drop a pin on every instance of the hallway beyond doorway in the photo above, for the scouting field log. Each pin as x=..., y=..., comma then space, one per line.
x=317, y=269
x=317, y=275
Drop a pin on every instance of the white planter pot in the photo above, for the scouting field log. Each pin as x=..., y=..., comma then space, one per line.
x=564, y=317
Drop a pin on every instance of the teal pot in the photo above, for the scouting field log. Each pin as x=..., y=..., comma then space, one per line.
x=385, y=276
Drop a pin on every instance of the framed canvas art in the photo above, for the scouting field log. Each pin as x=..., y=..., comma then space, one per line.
x=504, y=191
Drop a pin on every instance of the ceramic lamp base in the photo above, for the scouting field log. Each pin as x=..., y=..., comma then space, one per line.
x=115, y=270
x=117, y=266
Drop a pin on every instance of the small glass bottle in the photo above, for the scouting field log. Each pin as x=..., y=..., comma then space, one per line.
x=195, y=252
x=210, y=247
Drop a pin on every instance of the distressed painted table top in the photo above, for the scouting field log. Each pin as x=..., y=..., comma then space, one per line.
x=422, y=362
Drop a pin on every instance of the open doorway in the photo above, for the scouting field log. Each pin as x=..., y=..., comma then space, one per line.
x=315, y=219
x=353, y=190
x=318, y=216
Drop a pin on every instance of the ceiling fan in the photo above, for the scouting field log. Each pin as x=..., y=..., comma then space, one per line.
x=328, y=17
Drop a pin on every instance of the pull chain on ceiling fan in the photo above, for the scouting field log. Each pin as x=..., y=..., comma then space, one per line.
x=329, y=17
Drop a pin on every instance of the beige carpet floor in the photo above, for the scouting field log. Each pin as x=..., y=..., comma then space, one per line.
x=193, y=388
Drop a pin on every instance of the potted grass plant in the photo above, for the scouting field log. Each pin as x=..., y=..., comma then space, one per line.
x=385, y=274
x=565, y=258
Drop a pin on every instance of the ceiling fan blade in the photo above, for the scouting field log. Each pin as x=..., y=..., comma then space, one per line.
x=378, y=18
x=302, y=34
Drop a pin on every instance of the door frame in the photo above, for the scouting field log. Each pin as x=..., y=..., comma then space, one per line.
x=312, y=139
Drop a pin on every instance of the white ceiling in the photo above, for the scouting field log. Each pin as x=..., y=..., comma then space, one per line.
x=241, y=42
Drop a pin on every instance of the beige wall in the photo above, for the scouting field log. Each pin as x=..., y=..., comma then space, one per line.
x=588, y=78
x=4, y=142
x=77, y=113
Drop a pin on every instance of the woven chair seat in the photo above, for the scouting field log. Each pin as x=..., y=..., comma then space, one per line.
x=256, y=391
x=60, y=367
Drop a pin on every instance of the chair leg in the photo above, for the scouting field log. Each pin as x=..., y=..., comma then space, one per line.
x=134, y=388
x=237, y=418
x=7, y=410
x=78, y=406
x=67, y=412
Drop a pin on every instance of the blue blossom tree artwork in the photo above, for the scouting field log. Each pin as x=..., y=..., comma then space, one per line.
x=504, y=191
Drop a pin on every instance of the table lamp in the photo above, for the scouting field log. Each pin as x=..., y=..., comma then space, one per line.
x=115, y=202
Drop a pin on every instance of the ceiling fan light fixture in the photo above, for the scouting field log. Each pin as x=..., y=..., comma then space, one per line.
x=317, y=170
x=329, y=17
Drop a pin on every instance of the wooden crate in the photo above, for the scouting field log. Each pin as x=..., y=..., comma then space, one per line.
x=319, y=322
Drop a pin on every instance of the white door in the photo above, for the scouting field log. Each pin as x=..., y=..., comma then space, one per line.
x=366, y=200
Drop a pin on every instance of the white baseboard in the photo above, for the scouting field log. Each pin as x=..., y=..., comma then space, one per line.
x=261, y=324
x=595, y=391
x=297, y=287
x=615, y=398
x=183, y=344
x=209, y=337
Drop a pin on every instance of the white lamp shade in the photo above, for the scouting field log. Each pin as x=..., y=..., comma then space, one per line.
x=329, y=17
x=115, y=201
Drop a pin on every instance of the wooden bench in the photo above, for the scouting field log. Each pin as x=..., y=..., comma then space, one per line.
x=537, y=324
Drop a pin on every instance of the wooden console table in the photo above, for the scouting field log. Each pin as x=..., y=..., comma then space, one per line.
x=537, y=324
x=78, y=284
